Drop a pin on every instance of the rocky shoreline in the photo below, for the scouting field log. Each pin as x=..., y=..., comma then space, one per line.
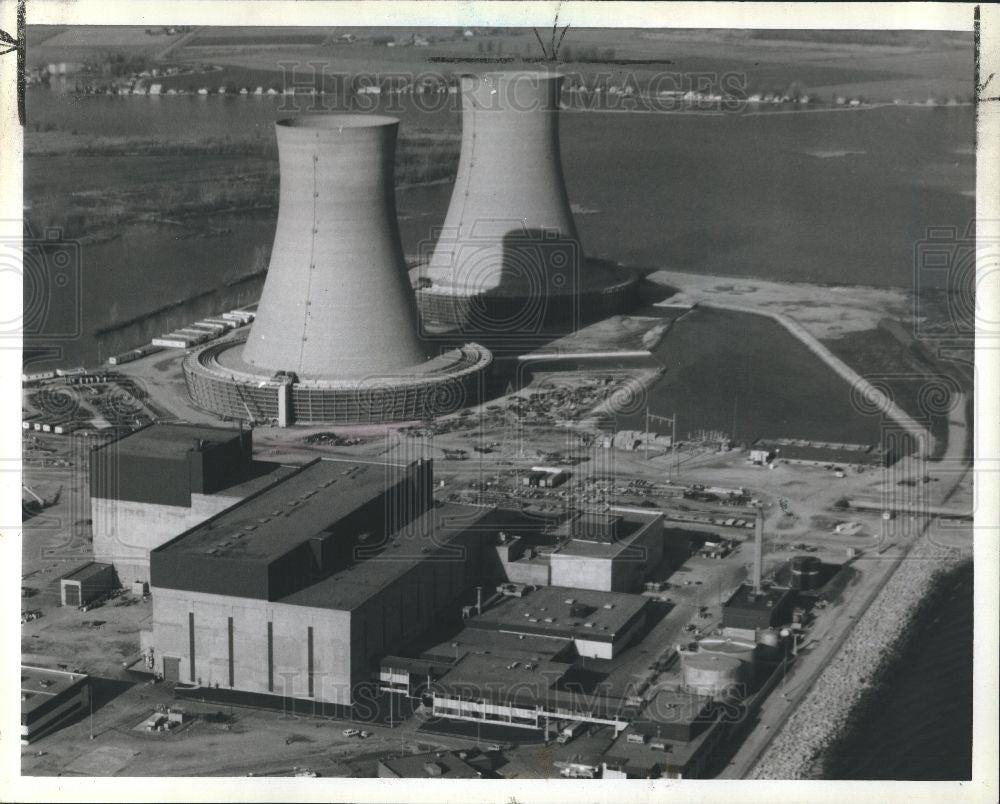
x=841, y=691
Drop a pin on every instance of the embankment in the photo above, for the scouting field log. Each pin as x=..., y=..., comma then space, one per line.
x=844, y=688
x=867, y=394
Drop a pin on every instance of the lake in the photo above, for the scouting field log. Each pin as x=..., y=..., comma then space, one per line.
x=837, y=197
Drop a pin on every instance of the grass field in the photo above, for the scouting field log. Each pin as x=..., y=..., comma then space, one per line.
x=876, y=65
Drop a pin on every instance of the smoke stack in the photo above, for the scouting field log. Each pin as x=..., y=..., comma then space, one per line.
x=509, y=225
x=758, y=552
x=337, y=302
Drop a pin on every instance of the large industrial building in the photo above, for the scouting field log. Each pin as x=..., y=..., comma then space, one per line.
x=157, y=482
x=335, y=333
x=508, y=259
x=301, y=589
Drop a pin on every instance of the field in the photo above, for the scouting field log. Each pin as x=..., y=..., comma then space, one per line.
x=907, y=65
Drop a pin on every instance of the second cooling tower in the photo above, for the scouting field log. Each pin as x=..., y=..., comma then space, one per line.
x=335, y=334
x=508, y=257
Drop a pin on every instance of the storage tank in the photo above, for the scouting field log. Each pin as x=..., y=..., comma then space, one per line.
x=337, y=300
x=745, y=651
x=712, y=674
x=805, y=572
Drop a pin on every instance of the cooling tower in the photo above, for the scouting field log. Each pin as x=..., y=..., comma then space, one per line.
x=509, y=223
x=335, y=333
x=508, y=256
x=337, y=301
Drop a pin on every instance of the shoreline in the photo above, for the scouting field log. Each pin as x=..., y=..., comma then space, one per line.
x=837, y=753
x=837, y=699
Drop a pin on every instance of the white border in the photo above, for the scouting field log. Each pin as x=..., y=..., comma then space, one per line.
x=913, y=16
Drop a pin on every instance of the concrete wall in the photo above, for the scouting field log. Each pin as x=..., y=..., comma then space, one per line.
x=594, y=650
x=403, y=609
x=582, y=572
x=289, y=669
x=622, y=573
x=125, y=531
x=346, y=645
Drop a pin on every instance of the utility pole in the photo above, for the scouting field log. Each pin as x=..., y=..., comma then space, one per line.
x=90, y=695
x=673, y=444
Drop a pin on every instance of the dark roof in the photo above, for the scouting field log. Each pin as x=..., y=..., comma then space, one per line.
x=440, y=765
x=643, y=758
x=427, y=536
x=160, y=440
x=790, y=449
x=87, y=571
x=744, y=598
x=265, y=526
x=607, y=612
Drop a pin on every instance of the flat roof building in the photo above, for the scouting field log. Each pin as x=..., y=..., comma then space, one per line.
x=49, y=697
x=599, y=624
x=156, y=483
x=748, y=610
x=609, y=552
x=300, y=590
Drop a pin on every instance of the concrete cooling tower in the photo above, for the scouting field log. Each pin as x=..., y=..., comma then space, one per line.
x=335, y=334
x=508, y=258
x=337, y=302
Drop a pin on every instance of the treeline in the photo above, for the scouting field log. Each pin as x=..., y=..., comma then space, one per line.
x=870, y=37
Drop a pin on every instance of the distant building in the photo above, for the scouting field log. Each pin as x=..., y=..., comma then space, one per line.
x=821, y=452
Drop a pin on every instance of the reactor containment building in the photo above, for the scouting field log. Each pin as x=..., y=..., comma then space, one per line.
x=335, y=337
x=508, y=260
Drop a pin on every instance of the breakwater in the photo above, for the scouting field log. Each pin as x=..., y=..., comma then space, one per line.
x=845, y=687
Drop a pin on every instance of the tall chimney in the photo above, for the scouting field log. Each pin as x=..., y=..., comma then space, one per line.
x=509, y=226
x=337, y=302
x=758, y=552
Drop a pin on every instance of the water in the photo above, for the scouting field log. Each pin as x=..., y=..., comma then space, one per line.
x=921, y=727
x=747, y=376
x=829, y=197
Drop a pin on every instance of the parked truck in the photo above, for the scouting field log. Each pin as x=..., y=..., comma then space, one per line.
x=569, y=732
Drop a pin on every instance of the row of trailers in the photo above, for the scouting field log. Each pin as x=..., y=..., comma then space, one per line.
x=205, y=330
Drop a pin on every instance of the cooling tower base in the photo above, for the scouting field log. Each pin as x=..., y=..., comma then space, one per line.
x=219, y=381
x=602, y=291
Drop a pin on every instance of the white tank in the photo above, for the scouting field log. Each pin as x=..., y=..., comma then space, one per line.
x=713, y=675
